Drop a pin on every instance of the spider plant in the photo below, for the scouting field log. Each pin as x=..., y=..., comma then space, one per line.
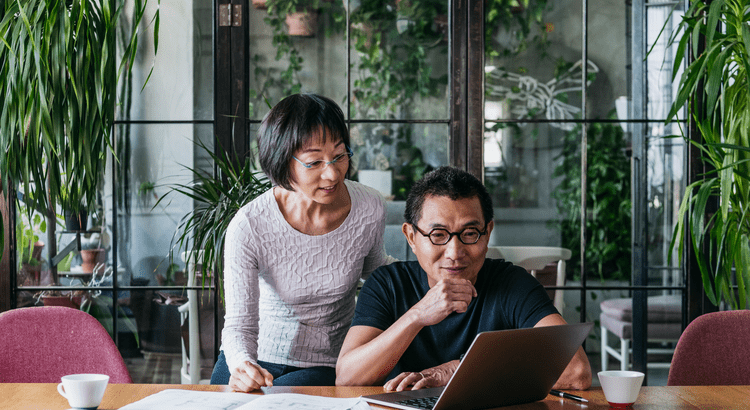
x=217, y=200
x=720, y=239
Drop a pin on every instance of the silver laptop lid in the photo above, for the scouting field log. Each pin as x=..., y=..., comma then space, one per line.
x=504, y=367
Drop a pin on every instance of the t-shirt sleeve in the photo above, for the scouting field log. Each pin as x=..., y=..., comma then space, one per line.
x=374, y=306
x=527, y=301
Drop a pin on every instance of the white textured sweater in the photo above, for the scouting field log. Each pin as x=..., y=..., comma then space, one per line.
x=289, y=295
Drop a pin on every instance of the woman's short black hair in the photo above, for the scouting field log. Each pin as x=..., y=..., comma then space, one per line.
x=290, y=125
x=452, y=183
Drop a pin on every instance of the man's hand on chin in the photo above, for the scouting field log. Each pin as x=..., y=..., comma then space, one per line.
x=445, y=297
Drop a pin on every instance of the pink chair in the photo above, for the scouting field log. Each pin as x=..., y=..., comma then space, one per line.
x=42, y=344
x=714, y=349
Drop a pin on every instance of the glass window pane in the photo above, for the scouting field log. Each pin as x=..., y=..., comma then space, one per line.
x=309, y=57
x=181, y=85
x=662, y=91
x=664, y=191
x=158, y=326
x=533, y=58
x=153, y=158
x=665, y=180
x=399, y=59
x=609, y=41
x=162, y=331
x=614, y=309
x=608, y=224
x=529, y=171
x=391, y=157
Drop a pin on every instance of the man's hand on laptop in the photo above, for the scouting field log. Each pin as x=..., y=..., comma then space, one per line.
x=447, y=296
x=433, y=377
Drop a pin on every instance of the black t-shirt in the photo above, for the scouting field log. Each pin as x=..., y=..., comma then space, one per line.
x=508, y=298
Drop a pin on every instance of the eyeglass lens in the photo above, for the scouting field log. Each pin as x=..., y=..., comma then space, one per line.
x=468, y=236
x=319, y=164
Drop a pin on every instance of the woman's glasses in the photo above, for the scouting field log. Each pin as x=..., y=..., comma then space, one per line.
x=320, y=164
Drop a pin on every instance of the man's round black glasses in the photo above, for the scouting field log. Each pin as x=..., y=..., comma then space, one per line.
x=440, y=236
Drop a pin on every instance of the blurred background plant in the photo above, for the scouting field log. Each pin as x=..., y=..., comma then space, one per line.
x=608, y=228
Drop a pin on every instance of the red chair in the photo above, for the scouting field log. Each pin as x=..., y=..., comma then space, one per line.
x=42, y=344
x=714, y=350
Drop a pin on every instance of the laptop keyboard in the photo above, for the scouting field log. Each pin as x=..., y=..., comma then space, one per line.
x=422, y=403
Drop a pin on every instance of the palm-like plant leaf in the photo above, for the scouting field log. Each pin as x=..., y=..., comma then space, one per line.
x=217, y=200
x=58, y=77
x=720, y=241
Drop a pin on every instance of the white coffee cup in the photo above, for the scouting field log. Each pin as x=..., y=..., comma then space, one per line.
x=621, y=387
x=83, y=391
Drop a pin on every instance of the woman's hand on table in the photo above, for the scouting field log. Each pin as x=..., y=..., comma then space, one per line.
x=248, y=377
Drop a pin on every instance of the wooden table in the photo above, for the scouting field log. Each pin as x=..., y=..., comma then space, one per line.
x=44, y=396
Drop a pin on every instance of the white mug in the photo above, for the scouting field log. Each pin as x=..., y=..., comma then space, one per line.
x=83, y=391
x=620, y=387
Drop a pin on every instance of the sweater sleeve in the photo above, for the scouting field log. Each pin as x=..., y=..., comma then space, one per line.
x=240, y=334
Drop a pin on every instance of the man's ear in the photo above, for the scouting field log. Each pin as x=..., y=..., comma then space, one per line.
x=489, y=228
x=409, y=233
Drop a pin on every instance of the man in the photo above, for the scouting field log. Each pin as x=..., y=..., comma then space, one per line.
x=414, y=320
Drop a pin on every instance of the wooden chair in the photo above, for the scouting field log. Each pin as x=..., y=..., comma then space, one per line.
x=42, y=344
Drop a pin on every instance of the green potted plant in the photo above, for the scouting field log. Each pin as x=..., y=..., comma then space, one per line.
x=391, y=65
x=721, y=237
x=201, y=232
x=299, y=16
x=511, y=26
x=275, y=83
x=29, y=248
x=92, y=301
x=59, y=73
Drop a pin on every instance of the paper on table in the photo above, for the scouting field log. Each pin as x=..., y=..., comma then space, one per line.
x=282, y=401
x=174, y=399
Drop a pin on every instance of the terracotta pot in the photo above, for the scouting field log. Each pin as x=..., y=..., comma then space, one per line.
x=91, y=257
x=29, y=274
x=303, y=24
x=64, y=301
x=441, y=25
x=37, y=252
x=260, y=4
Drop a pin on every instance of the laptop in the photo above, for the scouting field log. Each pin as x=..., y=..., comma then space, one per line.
x=500, y=368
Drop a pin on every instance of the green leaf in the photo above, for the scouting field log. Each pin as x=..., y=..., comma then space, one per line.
x=714, y=14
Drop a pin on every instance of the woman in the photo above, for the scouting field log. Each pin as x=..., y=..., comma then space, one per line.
x=294, y=255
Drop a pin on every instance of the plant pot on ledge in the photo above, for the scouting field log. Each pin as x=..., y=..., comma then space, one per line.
x=73, y=302
x=302, y=24
x=76, y=221
x=92, y=257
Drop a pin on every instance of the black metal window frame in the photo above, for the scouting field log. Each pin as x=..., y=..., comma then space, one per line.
x=466, y=124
